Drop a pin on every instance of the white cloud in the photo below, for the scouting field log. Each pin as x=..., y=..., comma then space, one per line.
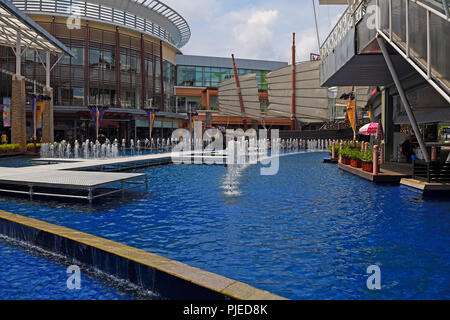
x=254, y=37
x=254, y=29
x=306, y=44
x=194, y=10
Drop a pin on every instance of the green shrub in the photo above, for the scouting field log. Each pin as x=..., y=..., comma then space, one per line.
x=9, y=147
x=346, y=152
x=31, y=145
x=355, y=154
x=367, y=156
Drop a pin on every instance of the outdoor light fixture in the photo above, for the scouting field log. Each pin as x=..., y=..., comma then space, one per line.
x=347, y=96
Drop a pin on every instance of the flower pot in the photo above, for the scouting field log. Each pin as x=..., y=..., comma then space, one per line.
x=354, y=163
x=367, y=166
x=345, y=161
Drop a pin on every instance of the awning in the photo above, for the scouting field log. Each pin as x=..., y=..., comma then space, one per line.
x=425, y=115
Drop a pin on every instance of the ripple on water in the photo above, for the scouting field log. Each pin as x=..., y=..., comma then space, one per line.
x=309, y=232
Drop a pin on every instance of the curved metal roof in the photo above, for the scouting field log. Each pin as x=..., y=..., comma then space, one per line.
x=150, y=16
x=155, y=11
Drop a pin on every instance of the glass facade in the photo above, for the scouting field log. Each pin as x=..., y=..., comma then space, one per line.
x=106, y=69
x=198, y=76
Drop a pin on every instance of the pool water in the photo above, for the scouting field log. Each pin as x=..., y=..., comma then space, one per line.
x=24, y=275
x=309, y=232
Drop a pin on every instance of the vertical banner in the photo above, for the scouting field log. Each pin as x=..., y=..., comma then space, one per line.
x=151, y=116
x=351, y=114
x=40, y=107
x=6, y=112
x=97, y=116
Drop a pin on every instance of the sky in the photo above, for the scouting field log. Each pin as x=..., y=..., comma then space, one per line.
x=255, y=29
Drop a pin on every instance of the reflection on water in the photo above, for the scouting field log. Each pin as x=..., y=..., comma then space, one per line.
x=309, y=232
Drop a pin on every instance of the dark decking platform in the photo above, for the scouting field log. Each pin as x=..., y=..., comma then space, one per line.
x=389, y=173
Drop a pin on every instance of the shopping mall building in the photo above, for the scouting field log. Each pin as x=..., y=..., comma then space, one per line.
x=126, y=56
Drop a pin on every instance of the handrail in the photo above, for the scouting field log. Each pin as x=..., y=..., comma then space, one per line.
x=353, y=14
x=427, y=73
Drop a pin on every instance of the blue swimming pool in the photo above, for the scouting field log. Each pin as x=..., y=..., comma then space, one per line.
x=24, y=275
x=309, y=232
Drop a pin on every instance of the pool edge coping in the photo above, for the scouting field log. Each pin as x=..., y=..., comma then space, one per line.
x=211, y=281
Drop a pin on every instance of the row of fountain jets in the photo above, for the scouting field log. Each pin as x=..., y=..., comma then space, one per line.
x=108, y=150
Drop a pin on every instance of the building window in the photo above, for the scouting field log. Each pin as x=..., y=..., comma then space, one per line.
x=124, y=63
x=78, y=56
x=109, y=60
x=94, y=57
x=78, y=96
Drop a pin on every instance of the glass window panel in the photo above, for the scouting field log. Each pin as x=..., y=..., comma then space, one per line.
x=124, y=62
x=94, y=57
x=78, y=96
x=78, y=56
x=109, y=60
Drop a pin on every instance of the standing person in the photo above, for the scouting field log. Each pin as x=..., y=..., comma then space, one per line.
x=407, y=150
x=4, y=138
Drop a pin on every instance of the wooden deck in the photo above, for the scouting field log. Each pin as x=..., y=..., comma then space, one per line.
x=85, y=178
x=386, y=175
x=425, y=186
x=55, y=176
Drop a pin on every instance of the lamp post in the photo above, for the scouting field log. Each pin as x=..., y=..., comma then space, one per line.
x=191, y=113
x=151, y=116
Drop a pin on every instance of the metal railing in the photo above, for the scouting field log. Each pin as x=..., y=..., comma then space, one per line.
x=351, y=16
x=422, y=63
x=102, y=13
x=434, y=171
x=358, y=9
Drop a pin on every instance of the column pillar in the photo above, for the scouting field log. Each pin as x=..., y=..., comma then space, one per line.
x=161, y=64
x=48, y=124
x=18, y=114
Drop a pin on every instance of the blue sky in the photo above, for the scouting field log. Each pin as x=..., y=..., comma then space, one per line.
x=254, y=29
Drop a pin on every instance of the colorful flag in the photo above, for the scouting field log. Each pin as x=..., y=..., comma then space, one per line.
x=97, y=116
x=40, y=107
x=7, y=112
x=351, y=114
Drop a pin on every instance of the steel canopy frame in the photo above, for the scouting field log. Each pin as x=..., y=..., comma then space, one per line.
x=33, y=36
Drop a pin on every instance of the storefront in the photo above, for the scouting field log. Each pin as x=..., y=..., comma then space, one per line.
x=432, y=114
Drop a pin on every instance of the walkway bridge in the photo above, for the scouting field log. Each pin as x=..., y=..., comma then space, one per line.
x=418, y=32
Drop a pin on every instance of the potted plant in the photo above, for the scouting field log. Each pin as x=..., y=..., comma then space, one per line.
x=367, y=161
x=346, y=155
x=355, y=156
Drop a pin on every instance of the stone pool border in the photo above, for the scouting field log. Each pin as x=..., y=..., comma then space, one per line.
x=169, y=278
